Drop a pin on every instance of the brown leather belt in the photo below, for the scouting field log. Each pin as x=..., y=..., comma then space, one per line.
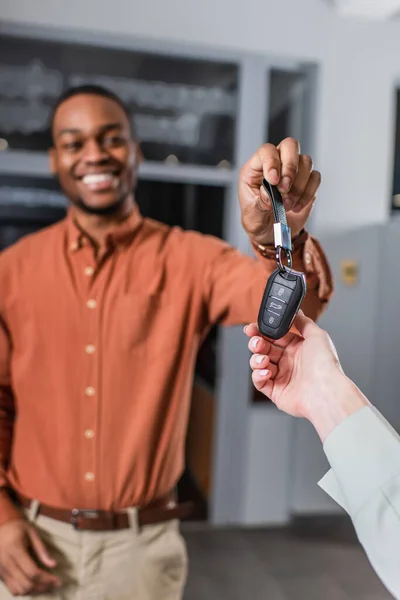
x=103, y=520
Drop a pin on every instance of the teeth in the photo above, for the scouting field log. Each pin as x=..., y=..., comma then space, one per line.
x=97, y=178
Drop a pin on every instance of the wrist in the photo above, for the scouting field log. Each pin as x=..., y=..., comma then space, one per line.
x=267, y=249
x=337, y=400
x=8, y=510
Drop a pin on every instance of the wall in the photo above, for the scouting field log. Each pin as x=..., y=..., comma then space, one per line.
x=356, y=124
x=355, y=128
x=252, y=26
x=385, y=371
x=351, y=321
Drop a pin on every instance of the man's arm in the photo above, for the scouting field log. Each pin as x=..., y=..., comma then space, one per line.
x=365, y=481
x=7, y=413
x=235, y=283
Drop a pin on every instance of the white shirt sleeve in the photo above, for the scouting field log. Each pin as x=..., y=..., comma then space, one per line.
x=364, y=453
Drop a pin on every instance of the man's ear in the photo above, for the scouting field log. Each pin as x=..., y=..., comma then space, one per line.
x=53, y=161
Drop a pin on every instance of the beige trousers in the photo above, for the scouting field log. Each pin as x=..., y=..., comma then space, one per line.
x=132, y=564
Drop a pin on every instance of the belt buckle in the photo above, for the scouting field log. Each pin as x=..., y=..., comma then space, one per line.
x=82, y=512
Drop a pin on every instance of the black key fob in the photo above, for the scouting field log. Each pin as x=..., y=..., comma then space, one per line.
x=283, y=295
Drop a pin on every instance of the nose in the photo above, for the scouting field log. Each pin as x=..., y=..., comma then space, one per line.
x=94, y=153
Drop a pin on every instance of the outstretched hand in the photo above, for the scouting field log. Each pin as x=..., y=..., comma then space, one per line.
x=297, y=369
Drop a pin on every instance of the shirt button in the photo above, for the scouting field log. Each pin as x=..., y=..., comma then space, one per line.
x=90, y=391
x=89, y=476
x=89, y=434
x=91, y=303
x=89, y=271
x=308, y=258
x=90, y=349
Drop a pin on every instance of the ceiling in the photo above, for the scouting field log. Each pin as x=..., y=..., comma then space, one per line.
x=378, y=10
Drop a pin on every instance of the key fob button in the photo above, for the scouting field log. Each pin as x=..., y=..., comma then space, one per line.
x=272, y=320
x=281, y=300
x=276, y=306
x=280, y=292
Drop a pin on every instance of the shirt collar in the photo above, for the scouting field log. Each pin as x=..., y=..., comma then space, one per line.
x=121, y=235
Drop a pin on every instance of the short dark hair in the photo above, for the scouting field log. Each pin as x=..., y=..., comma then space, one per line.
x=93, y=90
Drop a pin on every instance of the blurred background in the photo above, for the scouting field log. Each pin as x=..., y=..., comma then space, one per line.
x=209, y=82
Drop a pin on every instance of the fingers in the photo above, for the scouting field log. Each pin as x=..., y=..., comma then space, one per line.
x=16, y=580
x=270, y=162
x=259, y=361
x=22, y=576
x=299, y=182
x=289, y=151
x=252, y=330
x=24, y=569
x=262, y=381
x=305, y=326
x=264, y=365
x=262, y=347
x=309, y=192
x=35, y=574
x=18, y=569
x=261, y=376
x=284, y=167
x=266, y=162
x=36, y=581
x=40, y=549
x=305, y=186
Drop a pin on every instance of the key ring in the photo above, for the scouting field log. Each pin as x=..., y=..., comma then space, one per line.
x=284, y=268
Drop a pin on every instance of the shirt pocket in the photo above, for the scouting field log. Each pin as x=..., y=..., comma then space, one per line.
x=147, y=322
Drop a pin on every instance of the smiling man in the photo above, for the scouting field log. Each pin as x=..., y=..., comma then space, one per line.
x=101, y=183
x=101, y=317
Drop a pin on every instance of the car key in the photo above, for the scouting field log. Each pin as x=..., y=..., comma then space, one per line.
x=286, y=288
x=284, y=293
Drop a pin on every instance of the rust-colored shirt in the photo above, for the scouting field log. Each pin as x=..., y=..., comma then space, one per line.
x=97, y=355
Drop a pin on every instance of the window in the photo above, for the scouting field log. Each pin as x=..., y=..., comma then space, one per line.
x=183, y=109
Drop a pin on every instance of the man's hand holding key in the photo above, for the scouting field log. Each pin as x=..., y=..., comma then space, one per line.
x=292, y=173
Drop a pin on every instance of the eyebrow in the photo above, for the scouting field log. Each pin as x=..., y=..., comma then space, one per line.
x=102, y=129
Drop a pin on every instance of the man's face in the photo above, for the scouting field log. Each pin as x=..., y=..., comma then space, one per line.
x=94, y=155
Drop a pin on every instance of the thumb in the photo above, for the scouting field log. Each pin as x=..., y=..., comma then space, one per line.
x=304, y=325
x=40, y=549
